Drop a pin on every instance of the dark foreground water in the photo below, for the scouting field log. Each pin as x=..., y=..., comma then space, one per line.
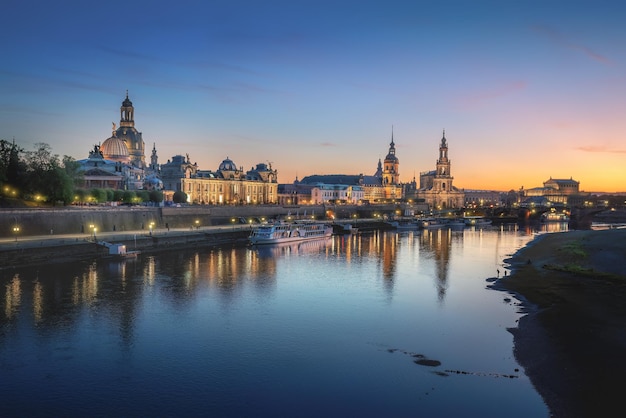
x=375, y=325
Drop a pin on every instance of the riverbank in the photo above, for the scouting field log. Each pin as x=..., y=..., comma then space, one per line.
x=573, y=339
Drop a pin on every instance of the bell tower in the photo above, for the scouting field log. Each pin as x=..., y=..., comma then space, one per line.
x=391, y=165
x=443, y=179
x=127, y=113
x=154, y=159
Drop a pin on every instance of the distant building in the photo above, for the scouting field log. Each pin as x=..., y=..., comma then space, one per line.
x=119, y=162
x=127, y=135
x=436, y=188
x=482, y=198
x=102, y=173
x=227, y=185
x=564, y=192
x=384, y=185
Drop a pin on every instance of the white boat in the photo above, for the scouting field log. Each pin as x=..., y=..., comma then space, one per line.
x=554, y=217
x=289, y=232
x=476, y=221
x=433, y=223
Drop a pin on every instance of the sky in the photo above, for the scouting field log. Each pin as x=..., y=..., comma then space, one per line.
x=525, y=90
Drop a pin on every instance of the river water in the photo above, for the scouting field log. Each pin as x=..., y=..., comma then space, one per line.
x=380, y=324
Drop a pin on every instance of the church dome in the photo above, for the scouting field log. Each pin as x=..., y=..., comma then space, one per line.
x=391, y=157
x=227, y=165
x=127, y=102
x=114, y=149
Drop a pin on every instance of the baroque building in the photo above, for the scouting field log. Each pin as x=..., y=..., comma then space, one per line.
x=384, y=185
x=128, y=135
x=565, y=192
x=227, y=185
x=436, y=188
x=119, y=162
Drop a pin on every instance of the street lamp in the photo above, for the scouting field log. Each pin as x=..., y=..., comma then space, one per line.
x=151, y=226
x=197, y=224
x=233, y=222
x=16, y=230
x=93, y=229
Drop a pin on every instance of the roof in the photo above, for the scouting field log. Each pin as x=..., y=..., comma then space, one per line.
x=354, y=180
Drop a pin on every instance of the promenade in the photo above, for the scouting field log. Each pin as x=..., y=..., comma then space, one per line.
x=41, y=249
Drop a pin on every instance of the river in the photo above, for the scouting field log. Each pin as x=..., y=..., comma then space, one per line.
x=370, y=325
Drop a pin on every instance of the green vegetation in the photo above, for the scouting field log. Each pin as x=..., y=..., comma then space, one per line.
x=39, y=177
x=574, y=249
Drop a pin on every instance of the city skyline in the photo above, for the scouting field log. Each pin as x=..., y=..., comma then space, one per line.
x=524, y=92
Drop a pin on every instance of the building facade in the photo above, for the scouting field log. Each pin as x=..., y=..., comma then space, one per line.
x=564, y=192
x=383, y=186
x=119, y=162
x=436, y=188
x=227, y=185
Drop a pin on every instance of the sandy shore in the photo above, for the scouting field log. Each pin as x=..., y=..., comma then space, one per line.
x=572, y=342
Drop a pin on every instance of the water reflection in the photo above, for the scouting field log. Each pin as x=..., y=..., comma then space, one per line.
x=12, y=297
x=438, y=243
x=291, y=325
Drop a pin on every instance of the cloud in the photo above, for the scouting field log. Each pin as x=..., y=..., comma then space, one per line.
x=327, y=144
x=560, y=40
x=601, y=148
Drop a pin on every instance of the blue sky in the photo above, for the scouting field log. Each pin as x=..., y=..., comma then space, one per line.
x=525, y=90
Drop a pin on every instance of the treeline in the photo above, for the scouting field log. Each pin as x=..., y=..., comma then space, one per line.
x=43, y=177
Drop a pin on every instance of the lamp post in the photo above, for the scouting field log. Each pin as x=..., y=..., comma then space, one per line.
x=16, y=230
x=93, y=230
x=151, y=226
x=197, y=224
x=233, y=222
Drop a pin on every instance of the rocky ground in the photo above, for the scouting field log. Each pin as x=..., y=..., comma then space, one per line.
x=572, y=342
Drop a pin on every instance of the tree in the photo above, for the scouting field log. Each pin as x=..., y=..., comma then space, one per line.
x=12, y=169
x=41, y=176
x=156, y=196
x=99, y=195
x=81, y=195
x=129, y=197
x=60, y=186
x=72, y=169
x=143, y=195
x=179, y=197
x=118, y=195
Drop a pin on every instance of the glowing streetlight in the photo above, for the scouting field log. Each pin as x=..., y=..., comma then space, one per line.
x=151, y=226
x=16, y=230
x=197, y=224
x=233, y=220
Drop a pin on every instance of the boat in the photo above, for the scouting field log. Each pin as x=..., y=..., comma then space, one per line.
x=289, y=232
x=119, y=251
x=410, y=225
x=430, y=223
x=433, y=223
x=554, y=217
x=344, y=229
x=476, y=221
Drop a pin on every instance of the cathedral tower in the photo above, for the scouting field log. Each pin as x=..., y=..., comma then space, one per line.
x=129, y=134
x=154, y=159
x=391, y=176
x=443, y=179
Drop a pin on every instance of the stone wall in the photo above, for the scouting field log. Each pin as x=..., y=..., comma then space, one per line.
x=75, y=220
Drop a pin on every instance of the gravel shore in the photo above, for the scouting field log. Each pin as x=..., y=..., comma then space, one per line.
x=572, y=342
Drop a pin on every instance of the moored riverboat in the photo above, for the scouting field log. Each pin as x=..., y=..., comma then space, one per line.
x=476, y=221
x=289, y=232
x=554, y=217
